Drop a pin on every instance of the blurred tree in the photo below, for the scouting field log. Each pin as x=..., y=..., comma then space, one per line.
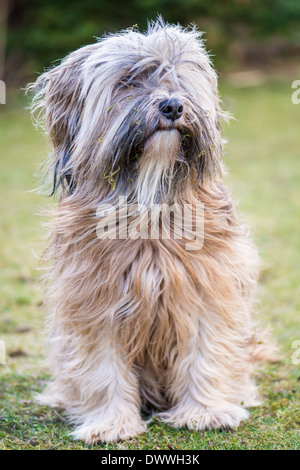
x=4, y=6
x=41, y=31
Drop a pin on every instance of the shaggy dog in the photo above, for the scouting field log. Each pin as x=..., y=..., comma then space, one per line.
x=140, y=322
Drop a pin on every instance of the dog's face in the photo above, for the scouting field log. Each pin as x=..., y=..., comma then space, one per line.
x=135, y=113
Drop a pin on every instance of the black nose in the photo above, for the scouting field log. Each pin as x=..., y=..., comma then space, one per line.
x=171, y=109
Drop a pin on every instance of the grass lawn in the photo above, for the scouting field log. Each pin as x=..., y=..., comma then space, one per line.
x=263, y=156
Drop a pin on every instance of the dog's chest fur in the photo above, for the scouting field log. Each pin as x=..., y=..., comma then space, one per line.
x=151, y=292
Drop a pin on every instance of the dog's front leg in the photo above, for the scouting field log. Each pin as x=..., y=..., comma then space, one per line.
x=210, y=385
x=108, y=408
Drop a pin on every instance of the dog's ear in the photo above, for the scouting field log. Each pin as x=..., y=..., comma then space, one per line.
x=58, y=102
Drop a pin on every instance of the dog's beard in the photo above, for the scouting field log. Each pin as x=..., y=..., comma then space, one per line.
x=157, y=166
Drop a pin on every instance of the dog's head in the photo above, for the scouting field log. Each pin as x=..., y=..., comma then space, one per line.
x=136, y=114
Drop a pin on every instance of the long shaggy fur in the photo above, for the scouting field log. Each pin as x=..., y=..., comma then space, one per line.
x=141, y=322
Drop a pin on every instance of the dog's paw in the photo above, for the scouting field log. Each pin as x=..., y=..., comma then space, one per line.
x=110, y=431
x=198, y=418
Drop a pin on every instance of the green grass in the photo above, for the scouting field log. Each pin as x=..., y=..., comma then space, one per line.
x=263, y=158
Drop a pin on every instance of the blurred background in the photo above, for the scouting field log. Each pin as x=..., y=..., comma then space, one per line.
x=255, y=47
x=240, y=33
